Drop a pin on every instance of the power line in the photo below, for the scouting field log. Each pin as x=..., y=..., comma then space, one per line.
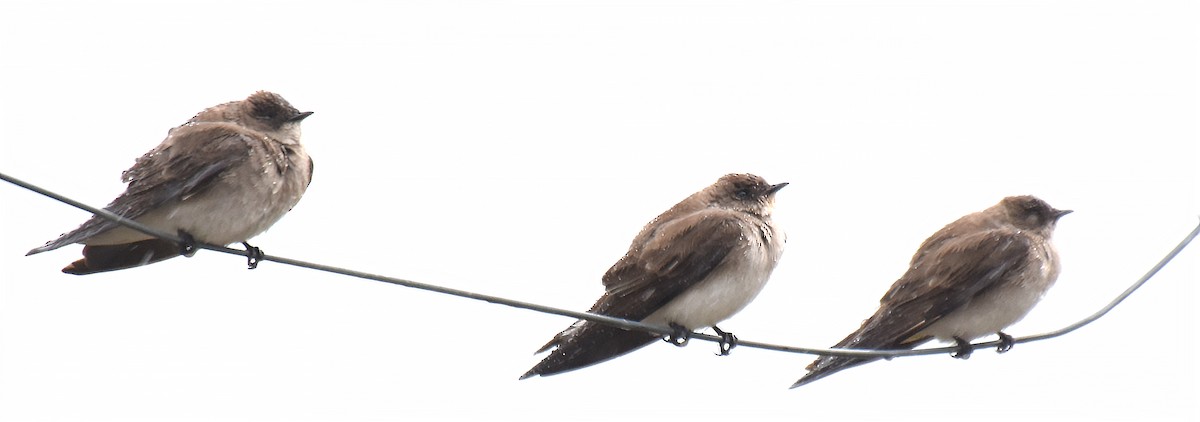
x=604, y=319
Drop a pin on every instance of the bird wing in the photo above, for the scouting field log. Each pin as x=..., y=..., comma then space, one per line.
x=679, y=255
x=186, y=164
x=943, y=276
x=943, y=280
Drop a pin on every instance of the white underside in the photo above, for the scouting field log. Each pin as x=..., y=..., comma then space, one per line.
x=719, y=297
x=991, y=312
x=227, y=213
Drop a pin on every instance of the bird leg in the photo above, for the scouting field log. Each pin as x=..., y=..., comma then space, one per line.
x=187, y=244
x=964, y=349
x=254, y=255
x=680, y=336
x=728, y=341
x=1006, y=342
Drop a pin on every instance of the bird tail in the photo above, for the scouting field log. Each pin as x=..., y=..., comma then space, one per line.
x=587, y=344
x=828, y=365
x=101, y=258
x=92, y=227
x=876, y=333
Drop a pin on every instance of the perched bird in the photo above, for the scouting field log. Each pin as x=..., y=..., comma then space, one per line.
x=225, y=176
x=974, y=277
x=693, y=266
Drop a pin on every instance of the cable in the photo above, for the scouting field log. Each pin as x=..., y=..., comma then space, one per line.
x=604, y=319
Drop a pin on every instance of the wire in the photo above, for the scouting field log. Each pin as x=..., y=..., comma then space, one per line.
x=604, y=319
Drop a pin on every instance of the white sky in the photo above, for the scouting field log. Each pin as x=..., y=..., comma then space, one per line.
x=515, y=148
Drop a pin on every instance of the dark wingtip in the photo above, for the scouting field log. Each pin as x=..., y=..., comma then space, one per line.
x=47, y=247
x=828, y=365
x=587, y=345
x=809, y=377
x=529, y=374
x=548, y=346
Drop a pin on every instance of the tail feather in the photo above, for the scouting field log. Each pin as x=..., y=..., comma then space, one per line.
x=101, y=258
x=92, y=227
x=880, y=332
x=828, y=365
x=588, y=344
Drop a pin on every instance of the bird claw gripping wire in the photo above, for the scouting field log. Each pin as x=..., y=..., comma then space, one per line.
x=964, y=349
x=1006, y=342
x=680, y=335
x=254, y=255
x=187, y=244
x=727, y=343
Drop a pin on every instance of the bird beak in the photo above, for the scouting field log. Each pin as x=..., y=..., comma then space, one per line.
x=1059, y=213
x=776, y=188
x=300, y=116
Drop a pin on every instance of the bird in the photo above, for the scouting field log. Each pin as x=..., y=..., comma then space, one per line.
x=976, y=276
x=224, y=176
x=693, y=266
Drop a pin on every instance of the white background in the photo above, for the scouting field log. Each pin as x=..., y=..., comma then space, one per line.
x=515, y=148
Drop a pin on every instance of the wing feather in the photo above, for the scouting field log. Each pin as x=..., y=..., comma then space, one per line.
x=674, y=258
x=677, y=257
x=942, y=277
x=186, y=164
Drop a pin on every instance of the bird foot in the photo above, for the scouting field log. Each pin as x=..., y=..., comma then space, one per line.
x=254, y=255
x=728, y=341
x=680, y=335
x=964, y=349
x=1006, y=342
x=187, y=244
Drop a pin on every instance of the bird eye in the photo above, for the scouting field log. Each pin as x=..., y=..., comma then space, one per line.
x=741, y=194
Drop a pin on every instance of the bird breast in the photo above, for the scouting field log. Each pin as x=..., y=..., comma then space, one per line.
x=731, y=286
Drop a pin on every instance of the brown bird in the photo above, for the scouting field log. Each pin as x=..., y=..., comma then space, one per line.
x=974, y=277
x=225, y=176
x=693, y=266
